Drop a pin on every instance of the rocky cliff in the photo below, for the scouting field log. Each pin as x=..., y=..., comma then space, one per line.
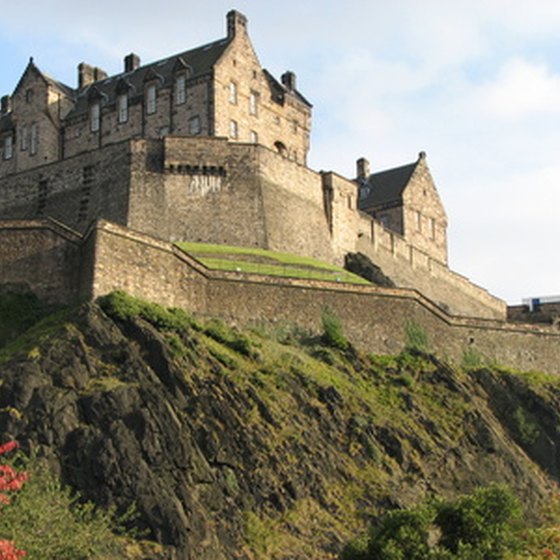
x=264, y=444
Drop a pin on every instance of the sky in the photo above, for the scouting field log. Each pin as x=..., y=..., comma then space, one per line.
x=475, y=84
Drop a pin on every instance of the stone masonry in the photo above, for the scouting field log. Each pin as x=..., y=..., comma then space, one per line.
x=208, y=146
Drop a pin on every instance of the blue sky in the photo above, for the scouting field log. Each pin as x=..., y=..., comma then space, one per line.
x=474, y=84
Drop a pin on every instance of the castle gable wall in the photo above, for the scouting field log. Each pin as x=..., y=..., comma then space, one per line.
x=425, y=221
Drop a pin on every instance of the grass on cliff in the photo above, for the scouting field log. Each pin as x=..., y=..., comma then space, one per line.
x=268, y=263
x=377, y=412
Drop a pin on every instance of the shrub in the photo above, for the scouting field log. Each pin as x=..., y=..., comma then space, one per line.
x=333, y=333
x=480, y=523
x=50, y=523
x=416, y=337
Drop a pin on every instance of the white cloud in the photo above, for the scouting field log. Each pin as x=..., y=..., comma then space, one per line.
x=521, y=89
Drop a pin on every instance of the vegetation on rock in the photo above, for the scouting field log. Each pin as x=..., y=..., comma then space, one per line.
x=268, y=443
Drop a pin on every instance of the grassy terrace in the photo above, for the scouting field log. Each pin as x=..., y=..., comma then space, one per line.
x=269, y=263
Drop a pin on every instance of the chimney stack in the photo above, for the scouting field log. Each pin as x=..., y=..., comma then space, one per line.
x=362, y=169
x=236, y=22
x=131, y=62
x=5, y=104
x=289, y=81
x=85, y=75
x=88, y=74
x=99, y=74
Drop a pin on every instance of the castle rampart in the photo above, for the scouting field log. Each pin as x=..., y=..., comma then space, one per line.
x=62, y=266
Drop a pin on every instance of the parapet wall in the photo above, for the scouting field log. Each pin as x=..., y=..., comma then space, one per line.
x=112, y=257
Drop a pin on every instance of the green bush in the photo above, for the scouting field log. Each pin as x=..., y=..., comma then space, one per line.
x=527, y=429
x=230, y=337
x=121, y=306
x=333, y=333
x=18, y=312
x=50, y=523
x=478, y=526
x=416, y=337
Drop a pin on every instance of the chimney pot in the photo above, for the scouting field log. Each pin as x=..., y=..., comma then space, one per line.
x=362, y=169
x=131, y=62
x=289, y=80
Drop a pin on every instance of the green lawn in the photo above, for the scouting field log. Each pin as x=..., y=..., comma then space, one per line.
x=270, y=263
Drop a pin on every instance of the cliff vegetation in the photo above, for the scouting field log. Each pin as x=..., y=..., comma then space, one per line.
x=268, y=443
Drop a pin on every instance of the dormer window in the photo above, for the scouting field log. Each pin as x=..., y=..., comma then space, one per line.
x=233, y=93
x=151, y=99
x=180, y=89
x=8, y=147
x=95, y=117
x=122, y=108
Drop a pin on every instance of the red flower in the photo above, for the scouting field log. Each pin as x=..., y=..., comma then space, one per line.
x=9, y=446
x=9, y=552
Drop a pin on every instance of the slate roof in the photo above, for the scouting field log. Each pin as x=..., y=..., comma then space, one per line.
x=278, y=91
x=198, y=61
x=385, y=187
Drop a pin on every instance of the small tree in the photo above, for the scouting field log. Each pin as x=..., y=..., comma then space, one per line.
x=333, y=333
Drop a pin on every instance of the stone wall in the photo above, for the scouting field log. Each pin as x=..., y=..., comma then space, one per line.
x=375, y=319
x=74, y=191
x=43, y=257
x=60, y=266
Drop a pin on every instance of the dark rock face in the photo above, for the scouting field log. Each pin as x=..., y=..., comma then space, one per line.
x=360, y=264
x=128, y=413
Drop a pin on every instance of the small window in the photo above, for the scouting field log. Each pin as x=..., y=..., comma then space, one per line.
x=432, y=228
x=122, y=108
x=181, y=89
x=233, y=129
x=253, y=103
x=233, y=93
x=418, y=218
x=95, y=117
x=254, y=137
x=24, y=138
x=28, y=95
x=194, y=126
x=8, y=147
x=151, y=96
x=33, y=139
x=295, y=127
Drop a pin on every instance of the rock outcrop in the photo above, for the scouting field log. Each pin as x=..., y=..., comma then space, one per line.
x=263, y=445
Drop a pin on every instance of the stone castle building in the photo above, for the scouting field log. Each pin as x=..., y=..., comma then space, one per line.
x=206, y=145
